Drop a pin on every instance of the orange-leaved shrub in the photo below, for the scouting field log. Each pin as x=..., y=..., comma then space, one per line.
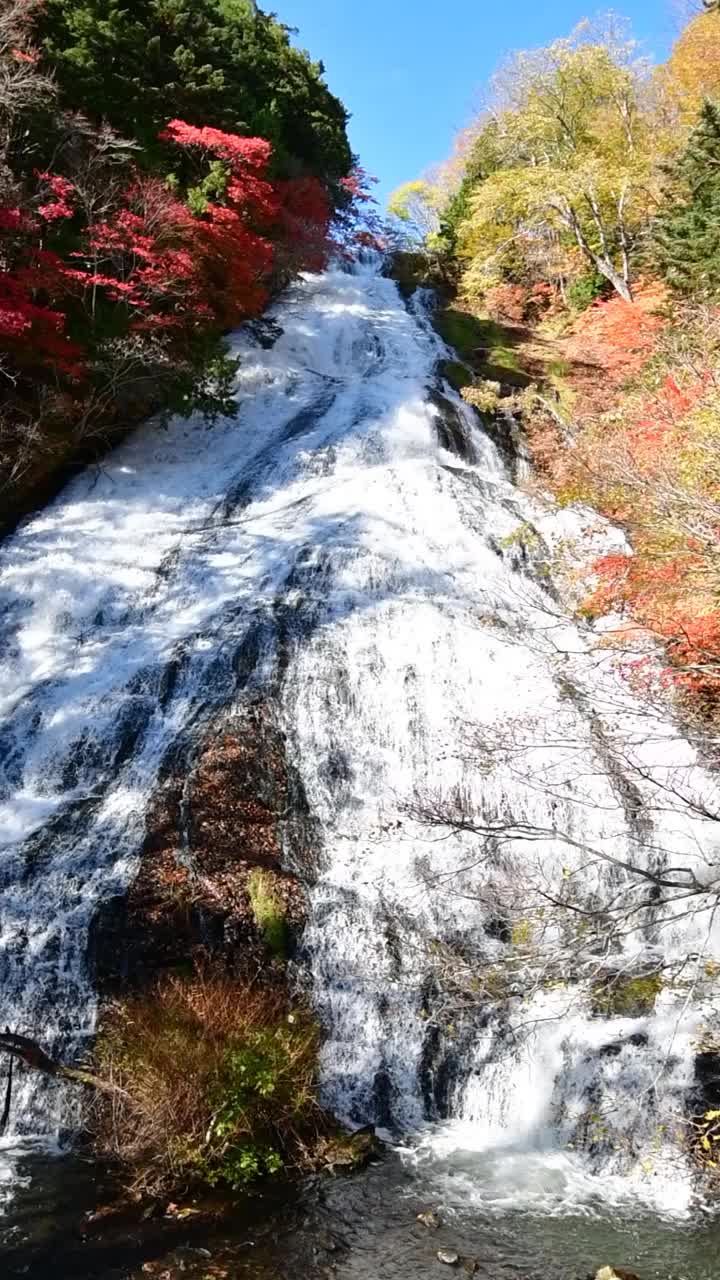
x=645, y=450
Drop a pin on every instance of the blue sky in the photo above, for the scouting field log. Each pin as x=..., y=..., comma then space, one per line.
x=410, y=71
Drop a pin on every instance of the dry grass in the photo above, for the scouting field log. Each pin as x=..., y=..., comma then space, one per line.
x=215, y=1084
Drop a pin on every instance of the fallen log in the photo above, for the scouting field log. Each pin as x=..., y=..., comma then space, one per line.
x=35, y=1057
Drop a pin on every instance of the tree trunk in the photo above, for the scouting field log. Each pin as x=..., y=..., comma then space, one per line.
x=608, y=270
x=601, y=261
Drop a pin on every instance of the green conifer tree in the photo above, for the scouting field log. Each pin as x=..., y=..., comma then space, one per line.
x=140, y=63
x=688, y=229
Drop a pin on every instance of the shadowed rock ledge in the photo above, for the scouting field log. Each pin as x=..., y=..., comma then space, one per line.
x=222, y=811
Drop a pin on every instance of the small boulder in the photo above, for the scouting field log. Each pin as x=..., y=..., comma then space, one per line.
x=93, y=1216
x=430, y=1219
x=615, y=1273
x=447, y=1256
x=347, y=1151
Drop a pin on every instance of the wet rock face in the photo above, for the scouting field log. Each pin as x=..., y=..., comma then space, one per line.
x=707, y=1079
x=232, y=807
x=505, y=432
x=704, y=1102
x=451, y=431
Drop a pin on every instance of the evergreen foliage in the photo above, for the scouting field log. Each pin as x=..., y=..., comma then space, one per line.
x=459, y=206
x=688, y=230
x=139, y=63
x=586, y=289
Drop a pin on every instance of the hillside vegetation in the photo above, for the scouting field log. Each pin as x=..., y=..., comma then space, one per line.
x=580, y=218
x=165, y=166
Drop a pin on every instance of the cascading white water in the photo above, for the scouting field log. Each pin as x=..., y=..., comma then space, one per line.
x=371, y=521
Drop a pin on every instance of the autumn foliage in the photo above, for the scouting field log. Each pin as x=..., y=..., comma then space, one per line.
x=616, y=336
x=585, y=220
x=167, y=269
x=121, y=268
x=646, y=452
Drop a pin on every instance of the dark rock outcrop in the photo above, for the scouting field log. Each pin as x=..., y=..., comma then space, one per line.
x=234, y=807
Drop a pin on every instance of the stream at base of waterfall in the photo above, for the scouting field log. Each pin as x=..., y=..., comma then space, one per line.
x=362, y=1227
x=353, y=551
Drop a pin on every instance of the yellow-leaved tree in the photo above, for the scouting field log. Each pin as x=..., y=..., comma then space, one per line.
x=692, y=72
x=416, y=205
x=574, y=138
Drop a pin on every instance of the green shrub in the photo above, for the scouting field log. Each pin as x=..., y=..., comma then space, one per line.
x=259, y=1080
x=581, y=293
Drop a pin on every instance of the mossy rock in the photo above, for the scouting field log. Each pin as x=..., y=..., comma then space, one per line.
x=506, y=375
x=465, y=332
x=410, y=271
x=269, y=910
x=456, y=373
x=503, y=356
x=347, y=1151
x=621, y=996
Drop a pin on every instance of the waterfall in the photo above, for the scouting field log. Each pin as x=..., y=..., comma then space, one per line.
x=356, y=530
